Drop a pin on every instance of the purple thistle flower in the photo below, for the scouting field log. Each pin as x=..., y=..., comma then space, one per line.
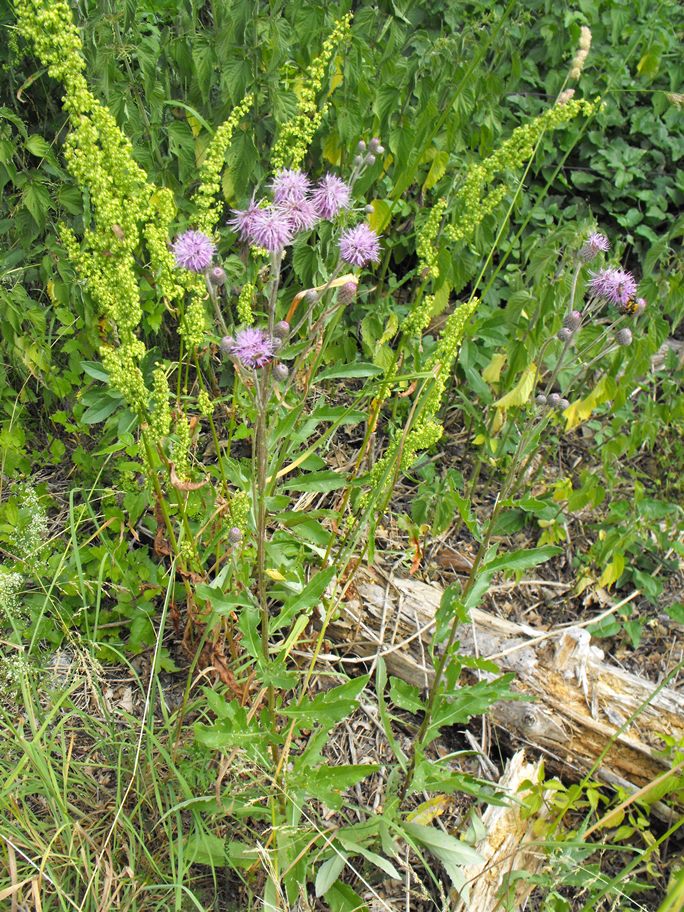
x=270, y=228
x=302, y=214
x=331, y=195
x=359, y=245
x=596, y=243
x=243, y=218
x=193, y=250
x=252, y=347
x=290, y=186
x=614, y=285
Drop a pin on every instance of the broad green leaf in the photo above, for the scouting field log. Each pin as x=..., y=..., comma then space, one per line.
x=522, y=559
x=405, y=696
x=327, y=708
x=321, y=482
x=453, y=853
x=328, y=872
x=358, y=369
x=380, y=217
x=437, y=169
x=308, y=598
x=521, y=392
x=492, y=372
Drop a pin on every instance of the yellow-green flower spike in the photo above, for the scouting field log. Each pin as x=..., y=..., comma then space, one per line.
x=295, y=136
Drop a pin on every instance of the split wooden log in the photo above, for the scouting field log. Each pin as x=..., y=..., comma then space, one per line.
x=508, y=846
x=581, y=702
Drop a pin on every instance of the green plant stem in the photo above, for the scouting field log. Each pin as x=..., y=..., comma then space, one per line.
x=417, y=744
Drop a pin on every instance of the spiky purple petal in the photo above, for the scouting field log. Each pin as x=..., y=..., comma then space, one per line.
x=331, y=195
x=359, y=245
x=290, y=186
x=252, y=347
x=614, y=285
x=193, y=250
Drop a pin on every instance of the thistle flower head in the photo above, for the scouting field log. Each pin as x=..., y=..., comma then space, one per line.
x=217, y=276
x=614, y=285
x=252, y=347
x=290, y=186
x=243, y=218
x=554, y=400
x=281, y=372
x=573, y=320
x=271, y=229
x=330, y=196
x=281, y=330
x=193, y=250
x=302, y=213
x=596, y=243
x=359, y=245
x=347, y=292
x=623, y=336
x=564, y=334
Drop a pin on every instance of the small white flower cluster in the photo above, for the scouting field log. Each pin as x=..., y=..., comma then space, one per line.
x=582, y=53
x=31, y=535
x=10, y=584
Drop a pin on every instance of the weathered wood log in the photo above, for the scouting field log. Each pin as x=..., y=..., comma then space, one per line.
x=581, y=702
x=508, y=846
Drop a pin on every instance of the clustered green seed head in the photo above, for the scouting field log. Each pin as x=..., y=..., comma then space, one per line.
x=180, y=448
x=122, y=201
x=472, y=201
x=425, y=242
x=193, y=324
x=427, y=430
x=444, y=355
x=244, y=304
x=122, y=363
x=295, y=136
x=206, y=211
x=162, y=261
x=160, y=417
x=238, y=510
x=204, y=404
x=418, y=318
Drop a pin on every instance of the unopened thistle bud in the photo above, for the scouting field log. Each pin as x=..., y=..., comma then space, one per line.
x=596, y=243
x=217, y=276
x=347, y=293
x=312, y=296
x=281, y=330
x=277, y=343
x=361, y=146
x=280, y=372
x=374, y=144
x=564, y=403
x=554, y=400
x=564, y=334
x=226, y=345
x=370, y=159
x=623, y=336
x=572, y=321
x=235, y=536
x=540, y=399
x=640, y=306
x=358, y=161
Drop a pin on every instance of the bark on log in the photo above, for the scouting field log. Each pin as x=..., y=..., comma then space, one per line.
x=580, y=700
x=507, y=847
